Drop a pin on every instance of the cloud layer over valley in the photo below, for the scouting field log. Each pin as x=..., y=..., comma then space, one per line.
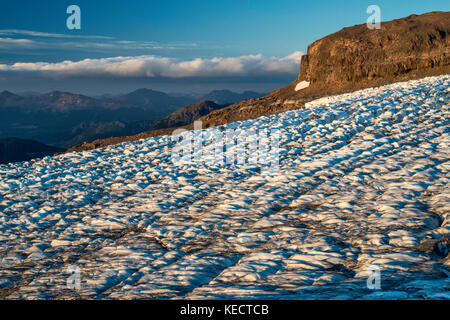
x=151, y=66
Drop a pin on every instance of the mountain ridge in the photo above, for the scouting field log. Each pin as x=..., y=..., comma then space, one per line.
x=187, y=115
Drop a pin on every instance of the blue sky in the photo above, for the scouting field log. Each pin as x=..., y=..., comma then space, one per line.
x=186, y=30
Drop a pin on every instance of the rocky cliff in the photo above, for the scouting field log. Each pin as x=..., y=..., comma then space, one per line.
x=358, y=57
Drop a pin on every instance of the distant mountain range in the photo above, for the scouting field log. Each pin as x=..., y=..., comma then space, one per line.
x=65, y=119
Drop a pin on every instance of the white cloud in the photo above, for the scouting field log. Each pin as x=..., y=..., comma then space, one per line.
x=13, y=32
x=162, y=67
x=37, y=40
x=13, y=42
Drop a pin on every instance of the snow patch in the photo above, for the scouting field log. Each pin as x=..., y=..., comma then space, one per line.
x=302, y=85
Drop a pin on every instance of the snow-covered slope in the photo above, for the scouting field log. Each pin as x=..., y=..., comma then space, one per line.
x=363, y=181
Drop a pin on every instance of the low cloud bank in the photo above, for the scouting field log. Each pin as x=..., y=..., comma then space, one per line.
x=150, y=66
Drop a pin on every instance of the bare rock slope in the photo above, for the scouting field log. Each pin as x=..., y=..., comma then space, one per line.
x=358, y=57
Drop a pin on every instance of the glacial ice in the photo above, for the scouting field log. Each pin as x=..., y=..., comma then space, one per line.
x=363, y=180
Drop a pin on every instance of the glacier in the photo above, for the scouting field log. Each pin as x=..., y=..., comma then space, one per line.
x=362, y=182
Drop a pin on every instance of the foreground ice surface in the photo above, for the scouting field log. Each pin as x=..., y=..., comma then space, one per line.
x=363, y=181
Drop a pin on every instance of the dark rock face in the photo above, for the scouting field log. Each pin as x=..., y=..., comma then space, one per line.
x=187, y=115
x=15, y=150
x=358, y=57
